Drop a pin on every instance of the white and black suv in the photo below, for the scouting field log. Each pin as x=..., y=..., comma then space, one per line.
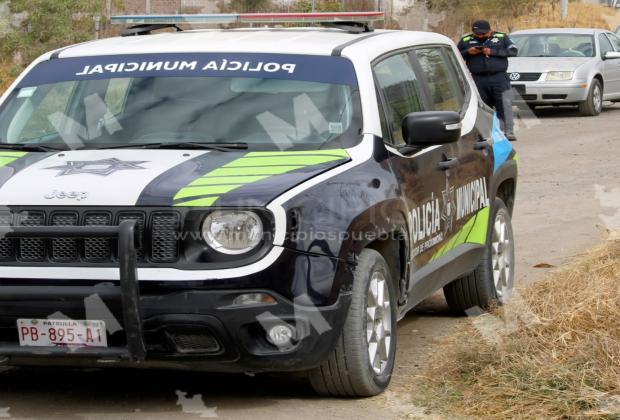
x=247, y=200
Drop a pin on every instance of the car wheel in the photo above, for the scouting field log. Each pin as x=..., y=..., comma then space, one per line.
x=491, y=283
x=594, y=104
x=361, y=364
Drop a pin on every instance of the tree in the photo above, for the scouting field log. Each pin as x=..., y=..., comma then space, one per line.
x=50, y=24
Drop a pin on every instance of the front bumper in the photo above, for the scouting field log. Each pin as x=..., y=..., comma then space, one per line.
x=175, y=326
x=550, y=93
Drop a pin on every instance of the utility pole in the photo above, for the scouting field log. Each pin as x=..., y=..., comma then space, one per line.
x=564, y=9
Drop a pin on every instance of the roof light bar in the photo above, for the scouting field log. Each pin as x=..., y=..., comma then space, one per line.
x=226, y=18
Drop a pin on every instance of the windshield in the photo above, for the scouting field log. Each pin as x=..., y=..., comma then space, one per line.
x=554, y=45
x=266, y=102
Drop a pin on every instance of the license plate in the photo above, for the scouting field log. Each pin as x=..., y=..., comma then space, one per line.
x=61, y=332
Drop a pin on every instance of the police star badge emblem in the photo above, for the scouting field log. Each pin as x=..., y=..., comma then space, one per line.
x=103, y=167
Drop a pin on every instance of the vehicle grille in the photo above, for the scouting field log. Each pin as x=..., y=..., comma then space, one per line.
x=157, y=236
x=528, y=77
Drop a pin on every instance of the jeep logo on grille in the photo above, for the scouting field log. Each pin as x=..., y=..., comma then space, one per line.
x=514, y=76
x=69, y=195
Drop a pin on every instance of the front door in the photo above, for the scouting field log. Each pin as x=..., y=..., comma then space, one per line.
x=427, y=177
x=612, y=70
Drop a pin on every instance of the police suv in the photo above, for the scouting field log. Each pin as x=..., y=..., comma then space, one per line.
x=247, y=200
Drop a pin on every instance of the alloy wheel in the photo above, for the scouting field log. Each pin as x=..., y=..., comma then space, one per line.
x=378, y=322
x=502, y=256
x=597, y=99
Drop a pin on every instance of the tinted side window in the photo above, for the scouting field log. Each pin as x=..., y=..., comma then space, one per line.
x=605, y=44
x=458, y=70
x=442, y=86
x=615, y=41
x=401, y=91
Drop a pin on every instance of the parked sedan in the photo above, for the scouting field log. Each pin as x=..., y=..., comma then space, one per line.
x=566, y=67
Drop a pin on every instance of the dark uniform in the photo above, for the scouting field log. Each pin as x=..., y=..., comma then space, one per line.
x=490, y=73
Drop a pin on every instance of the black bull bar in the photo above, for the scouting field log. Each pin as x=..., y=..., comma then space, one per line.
x=126, y=233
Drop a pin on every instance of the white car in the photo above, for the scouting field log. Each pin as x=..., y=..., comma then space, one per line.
x=566, y=67
x=247, y=200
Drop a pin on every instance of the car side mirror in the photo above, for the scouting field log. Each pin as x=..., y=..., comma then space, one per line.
x=611, y=55
x=431, y=128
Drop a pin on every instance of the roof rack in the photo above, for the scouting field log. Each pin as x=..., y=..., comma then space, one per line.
x=354, y=22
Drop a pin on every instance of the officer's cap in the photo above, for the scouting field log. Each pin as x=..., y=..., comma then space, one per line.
x=481, y=27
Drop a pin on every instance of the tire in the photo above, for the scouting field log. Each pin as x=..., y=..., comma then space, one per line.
x=348, y=371
x=593, y=106
x=486, y=287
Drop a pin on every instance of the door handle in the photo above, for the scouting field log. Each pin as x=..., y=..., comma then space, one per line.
x=444, y=165
x=482, y=144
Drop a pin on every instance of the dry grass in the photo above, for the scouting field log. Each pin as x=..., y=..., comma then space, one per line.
x=545, y=14
x=548, y=16
x=554, y=352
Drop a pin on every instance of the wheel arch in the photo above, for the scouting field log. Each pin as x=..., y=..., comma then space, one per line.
x=383, y=228
x=505, y=184
x=395, y=251
x=599, y=77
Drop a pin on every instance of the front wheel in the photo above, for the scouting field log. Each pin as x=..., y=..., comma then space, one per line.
x=361, y=364
x=491, y=283
x=593, y=105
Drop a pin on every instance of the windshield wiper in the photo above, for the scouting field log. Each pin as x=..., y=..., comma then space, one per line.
x=223, y=147
x=30, y=147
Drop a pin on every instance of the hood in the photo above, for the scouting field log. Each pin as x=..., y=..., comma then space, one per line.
x=137, y=177
x=545, y=64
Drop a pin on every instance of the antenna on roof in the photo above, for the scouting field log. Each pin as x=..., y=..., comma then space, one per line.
x=355, y=22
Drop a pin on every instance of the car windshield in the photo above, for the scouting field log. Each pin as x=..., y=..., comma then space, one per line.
x=554, y=45
x=262, y=101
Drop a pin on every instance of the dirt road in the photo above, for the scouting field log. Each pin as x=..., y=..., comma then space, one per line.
x=557, y=216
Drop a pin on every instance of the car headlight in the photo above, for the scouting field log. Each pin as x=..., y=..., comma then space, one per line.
x=559, y=75
x=232, y=232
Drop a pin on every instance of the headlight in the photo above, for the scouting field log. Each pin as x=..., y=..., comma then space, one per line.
x=232, y=231
x=559, y=75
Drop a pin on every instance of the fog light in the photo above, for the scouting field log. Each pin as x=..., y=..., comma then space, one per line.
x=253, y=299
x=280, y=335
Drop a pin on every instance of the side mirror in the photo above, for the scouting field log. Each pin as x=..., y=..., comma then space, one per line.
x=430, y=128
x=611, y=55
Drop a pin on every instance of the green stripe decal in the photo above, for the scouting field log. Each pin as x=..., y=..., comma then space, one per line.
x=329, y=152
x=6, y=160
x=9, y=156
x=252, y=167
x=478, y=234
x=262, y=170
x=12, y=153
x=276, y=161
x=204, y=190
x=226, y=180
x=202, y=202
x=473, y=232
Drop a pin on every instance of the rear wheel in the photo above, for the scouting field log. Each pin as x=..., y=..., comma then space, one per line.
x=491, y=283
x=361, y=364
x=593, y=105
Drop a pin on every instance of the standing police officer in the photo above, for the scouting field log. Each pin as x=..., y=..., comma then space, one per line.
x=486, y=53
